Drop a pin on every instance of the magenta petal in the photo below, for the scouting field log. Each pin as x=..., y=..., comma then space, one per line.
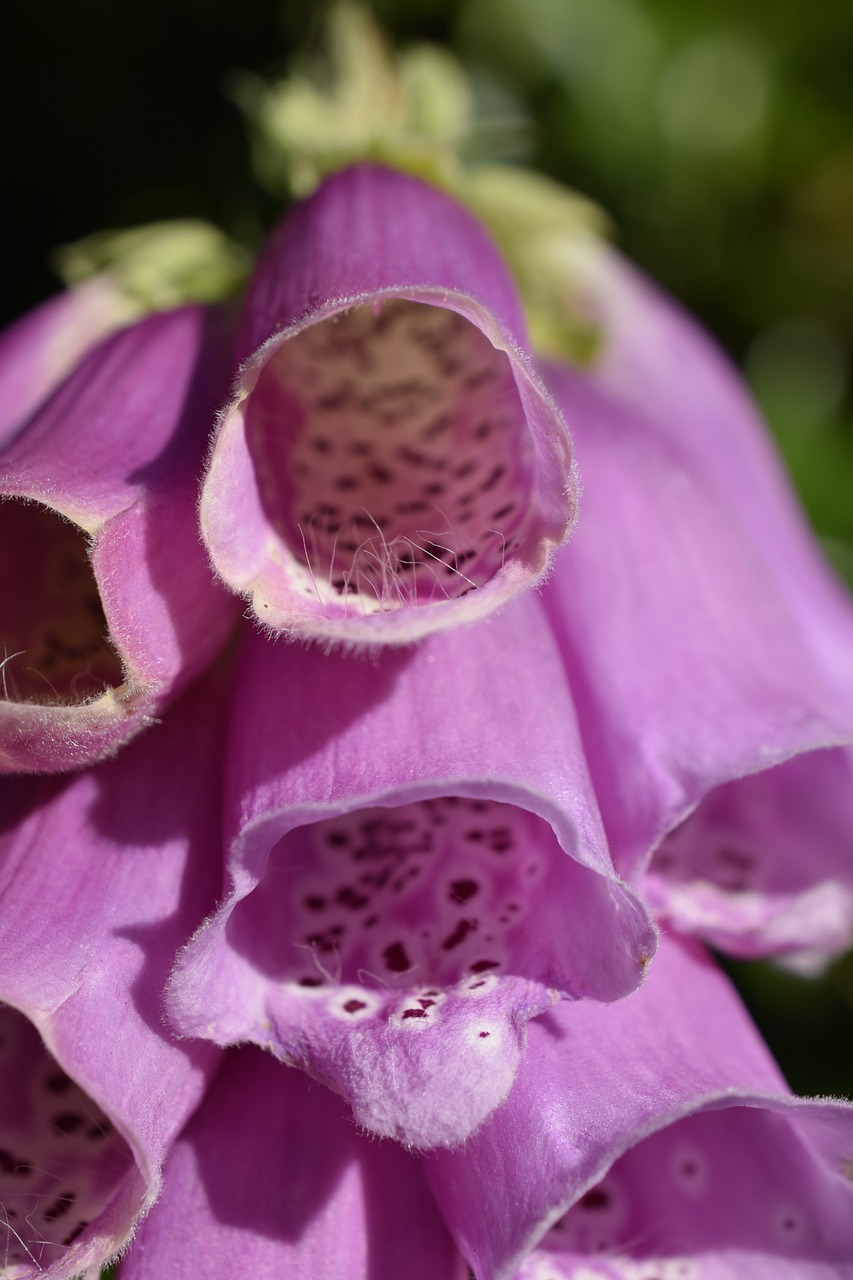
x=763, y=865
x=101, y=879
x=417, y=869
x=42, y=348
x=689, y=660
x=664, y=1122
x=391, y=463
x=657, y=360
x=271, y=1179
x=115, y=608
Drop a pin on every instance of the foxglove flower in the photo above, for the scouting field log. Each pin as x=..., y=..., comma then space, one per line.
x=101, y=878
x=391, y=463
x=703, y=652
x=648, y=1138
x=653, y=1139
x=110, y=605
x=416, y=868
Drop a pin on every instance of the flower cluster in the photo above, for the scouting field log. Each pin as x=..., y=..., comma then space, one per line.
x=363, y=937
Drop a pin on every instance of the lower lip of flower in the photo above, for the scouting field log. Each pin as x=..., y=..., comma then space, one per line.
x=56, y=648
x=61, y=1160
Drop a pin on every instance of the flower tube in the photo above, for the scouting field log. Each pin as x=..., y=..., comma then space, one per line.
x=416, y=868
x=101, y=878
x=272, y=1171
x=111, y=607
x=653, y=1138
x=391, y=463
x=692, y=662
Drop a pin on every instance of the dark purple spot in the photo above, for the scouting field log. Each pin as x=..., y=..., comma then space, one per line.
x=57, y=1082
x=346, y=482
x=503, y=511
x=67, y=1122
x=315, y=903
x=414, y=1013
x=337, y=838
x=481, y=966
x=353, y=1006
x=396, y=959
x=311, y=982
x=484, y=1035
x=426, y=1004
x=380, y=474
x=76, y=1233
x=462, y=890
x=595, y=1198
x=98, y=1131
x=349, y=897
x=459, y=934
x=474, y=834
x=60, y=1206
x=495, y=475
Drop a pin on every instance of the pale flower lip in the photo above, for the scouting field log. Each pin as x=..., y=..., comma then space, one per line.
x=391, y=463
x=112, y=605
x=102, y=876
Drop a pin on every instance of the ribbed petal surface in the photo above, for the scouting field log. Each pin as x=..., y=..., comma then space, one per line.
x=653, y=1138
x=391, y=464
x=272, y=1180
x=101, y=879
x=112, y=605
x=417, y=868
x=42, y=348
x=688, y=658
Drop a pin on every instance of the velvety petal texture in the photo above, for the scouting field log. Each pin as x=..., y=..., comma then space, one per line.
x=659, y=361
x=391, y=463
x=689, y=662
x=101, y=879
x=416, y=868
x=272, y=1178
x=653, y=1138
x=41, y=349
x=764, y=865
x=111, y=605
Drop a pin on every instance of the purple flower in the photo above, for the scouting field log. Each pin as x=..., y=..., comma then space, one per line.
x=416, y=867
x=102, y=877
x=111, y=607
x=648, y=1138
x=708, y=646
x=391, y=463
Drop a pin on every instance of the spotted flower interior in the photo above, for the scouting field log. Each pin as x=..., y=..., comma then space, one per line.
x=61, y=1160
x=392, y=457
x=673, y=1208
x=397, y=953
x=56, y=647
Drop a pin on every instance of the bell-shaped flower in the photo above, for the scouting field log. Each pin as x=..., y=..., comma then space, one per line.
x=272, y=1172
x=111, y=607
x=391, y=463
x=705, y=638
x=416, y=868
x=101, y=879
x=653, y=1139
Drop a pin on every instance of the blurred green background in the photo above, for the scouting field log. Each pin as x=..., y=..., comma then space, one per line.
x=717, y=136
